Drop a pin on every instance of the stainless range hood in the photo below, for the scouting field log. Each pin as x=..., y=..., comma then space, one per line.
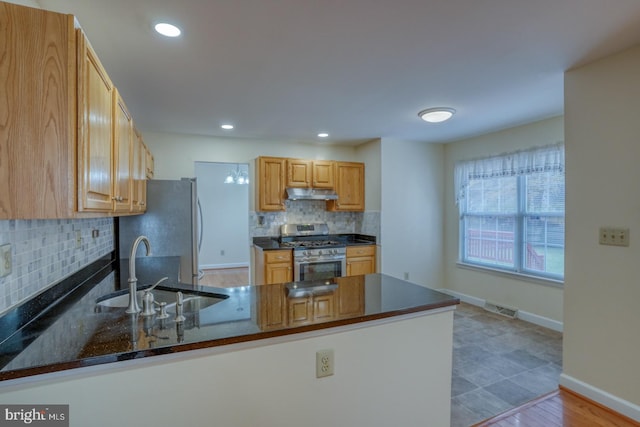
x=311, y=194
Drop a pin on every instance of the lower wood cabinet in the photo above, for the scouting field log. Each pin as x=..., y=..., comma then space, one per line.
x=361, y=260
x=273, y=266
x=311, y=309
x=276, y=310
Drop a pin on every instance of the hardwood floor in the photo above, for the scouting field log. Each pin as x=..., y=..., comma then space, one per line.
x=561, y=408
x=225, y=277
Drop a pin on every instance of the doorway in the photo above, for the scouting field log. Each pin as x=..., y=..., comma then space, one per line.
x=223, y=191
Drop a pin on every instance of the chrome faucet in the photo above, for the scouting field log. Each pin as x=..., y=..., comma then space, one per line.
x=133, y=281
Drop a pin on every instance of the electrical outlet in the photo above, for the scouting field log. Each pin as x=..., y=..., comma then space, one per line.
x=406, y=275
x=324, y=363
x=221, y=252
x=5, y=260
x=78, y=239
x=614, y=236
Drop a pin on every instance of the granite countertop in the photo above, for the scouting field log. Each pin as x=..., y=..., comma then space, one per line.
x=350, y=239
x=74, y=332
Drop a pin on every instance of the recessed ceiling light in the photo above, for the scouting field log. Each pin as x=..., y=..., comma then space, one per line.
x=323, y=135
x=167, y=30
x=227, y=127
x=436, y=115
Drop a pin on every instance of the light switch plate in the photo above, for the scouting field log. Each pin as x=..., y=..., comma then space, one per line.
x=5, y=260
x=614, y=236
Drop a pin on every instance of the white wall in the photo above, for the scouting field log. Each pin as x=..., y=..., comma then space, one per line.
x=538, y=299
x=225, y=237
x=411, y=199
x=602, y=290
x=369, y=153
x=396, y=373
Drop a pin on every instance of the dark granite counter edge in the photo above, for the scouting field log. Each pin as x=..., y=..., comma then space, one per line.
x=268, y=243
x=178, y=348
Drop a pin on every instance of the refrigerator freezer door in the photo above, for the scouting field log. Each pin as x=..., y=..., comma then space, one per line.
x=170, y=224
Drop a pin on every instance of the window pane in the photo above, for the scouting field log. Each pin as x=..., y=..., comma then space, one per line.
x=544, y=244
x=492, y=195
x=545, y=192
x=489, y=240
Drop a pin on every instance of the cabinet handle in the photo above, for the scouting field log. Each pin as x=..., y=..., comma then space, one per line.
x=142, y=203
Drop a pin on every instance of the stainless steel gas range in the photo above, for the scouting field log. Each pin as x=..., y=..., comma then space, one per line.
x=315, y=255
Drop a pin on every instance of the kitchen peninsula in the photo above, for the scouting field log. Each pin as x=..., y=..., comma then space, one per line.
x=222, y=366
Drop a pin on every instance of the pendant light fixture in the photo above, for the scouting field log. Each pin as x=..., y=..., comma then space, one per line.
x=237, y=177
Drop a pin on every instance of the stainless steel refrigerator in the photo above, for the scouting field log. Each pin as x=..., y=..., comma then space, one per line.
x=172, y=223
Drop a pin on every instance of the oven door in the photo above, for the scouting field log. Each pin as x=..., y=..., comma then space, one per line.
x=319, y=269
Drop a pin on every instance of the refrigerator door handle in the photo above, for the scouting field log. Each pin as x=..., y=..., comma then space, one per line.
x=200, y=225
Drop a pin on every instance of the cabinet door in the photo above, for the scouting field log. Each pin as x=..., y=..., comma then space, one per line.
x=271, y=183
x=149, y=163
x=323, y=174
x=123, y=148
x=349, y=186
x=350, y=297
x=324, y=307
x=278, y=273
x=300, y=310
x=299, y=173
x=37, y=113
x=361, y=260
x=139, y=174
x=272, y=310
x=95, y=137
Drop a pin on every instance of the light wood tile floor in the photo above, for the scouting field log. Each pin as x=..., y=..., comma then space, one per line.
x=561, y=408
x=225, y=277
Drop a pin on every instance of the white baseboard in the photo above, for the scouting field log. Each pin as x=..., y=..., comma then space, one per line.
x=219, y=266
x=604, y=398
x=522, y=315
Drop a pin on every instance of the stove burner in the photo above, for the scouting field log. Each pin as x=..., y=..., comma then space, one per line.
x=311, y=243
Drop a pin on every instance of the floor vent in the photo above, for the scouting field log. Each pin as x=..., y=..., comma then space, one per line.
x=510, y=312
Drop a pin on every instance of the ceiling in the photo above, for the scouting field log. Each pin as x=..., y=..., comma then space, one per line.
x=357, y=69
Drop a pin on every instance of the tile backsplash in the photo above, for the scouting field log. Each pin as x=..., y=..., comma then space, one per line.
x=44, y=252
x=314, y=211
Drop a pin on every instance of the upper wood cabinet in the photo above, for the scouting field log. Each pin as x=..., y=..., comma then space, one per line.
x=149, y=163
x=139, y=174
x=323, y=174
x=96, y=135
x=270, y=189
x=37, y=113
x=299, y=173
x=275, y=174
x=349, y=186
x=124, y=147
x=310, y=173
x=64, y=149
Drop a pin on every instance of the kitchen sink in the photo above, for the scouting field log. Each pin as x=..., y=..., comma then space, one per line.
x=192, y=302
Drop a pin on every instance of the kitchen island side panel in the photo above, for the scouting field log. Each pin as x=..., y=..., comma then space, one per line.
x=393, y=373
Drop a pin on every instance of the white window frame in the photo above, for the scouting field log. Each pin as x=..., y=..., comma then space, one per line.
x=518, y=164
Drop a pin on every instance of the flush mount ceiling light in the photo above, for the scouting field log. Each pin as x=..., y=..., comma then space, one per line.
x=323, y=135
x=227, y=127
x=167, y=30
x=436, y=115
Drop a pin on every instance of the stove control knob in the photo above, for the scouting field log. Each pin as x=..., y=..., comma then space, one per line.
x=319, y=251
